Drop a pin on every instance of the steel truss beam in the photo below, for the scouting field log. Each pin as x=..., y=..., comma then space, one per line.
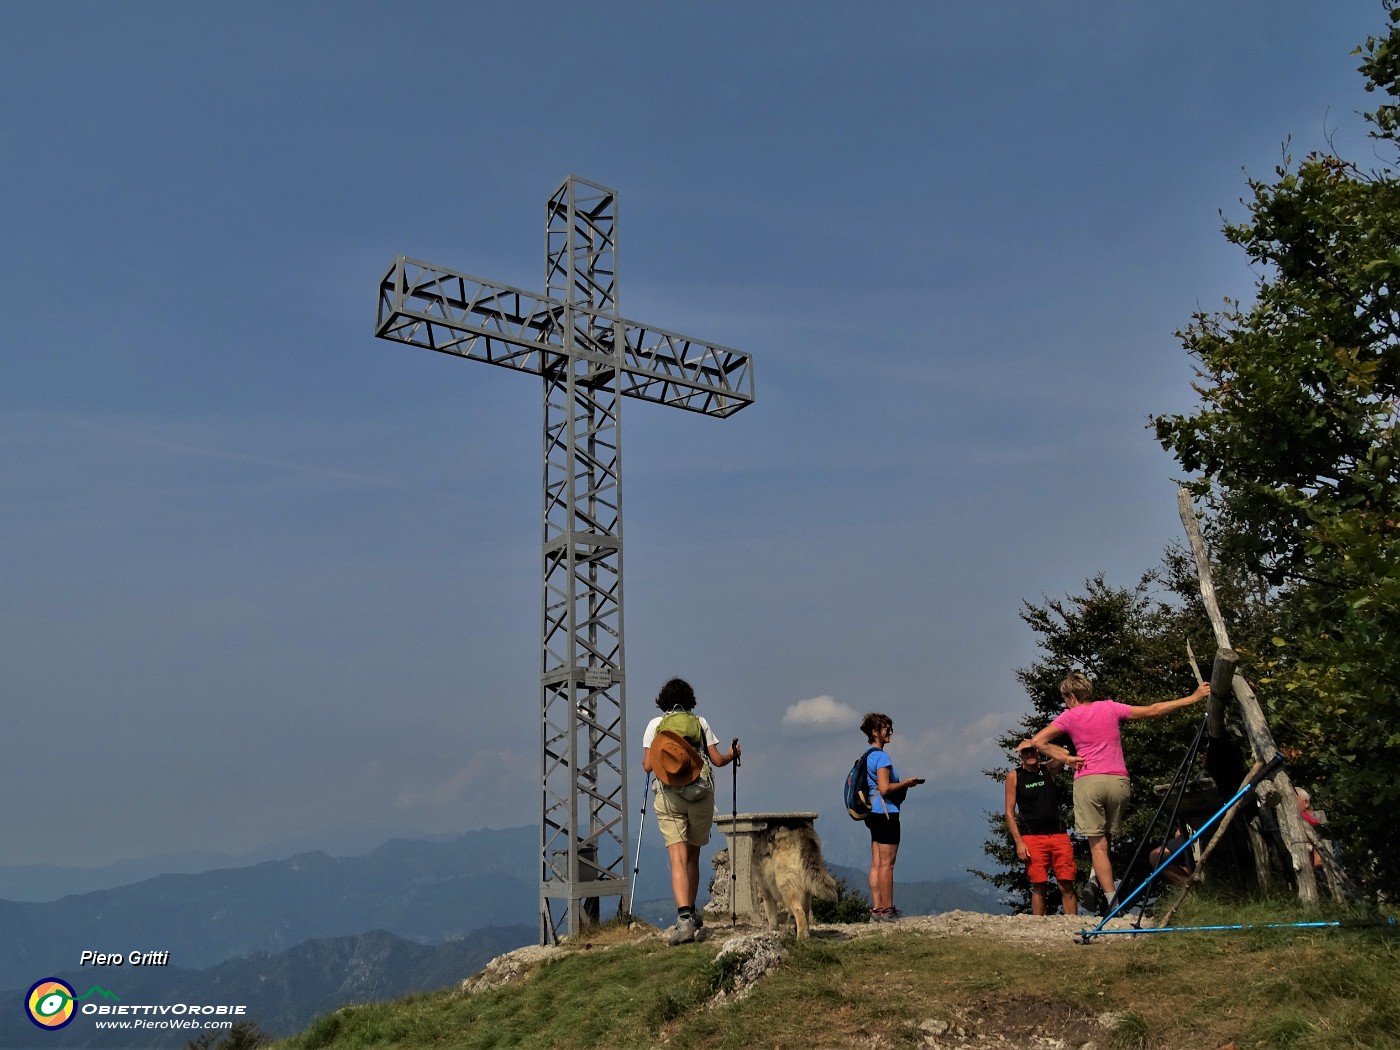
x=589, y=358
x=456, y=313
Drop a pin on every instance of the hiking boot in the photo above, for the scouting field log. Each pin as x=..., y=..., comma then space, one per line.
x=683, y=932
x=886, y=915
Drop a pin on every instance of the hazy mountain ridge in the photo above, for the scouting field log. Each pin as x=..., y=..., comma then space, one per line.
x=929, y=897
x=421, y=891
x=282, y=991
x=51, y=882
x=286, y=937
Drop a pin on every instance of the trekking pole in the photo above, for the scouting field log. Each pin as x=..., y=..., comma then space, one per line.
x=1387, y=921
x=637, y=863
x=1173, y=794
x=1268, y=770
x=734, y=838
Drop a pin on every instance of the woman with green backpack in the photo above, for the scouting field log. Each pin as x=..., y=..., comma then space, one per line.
x=675, y=746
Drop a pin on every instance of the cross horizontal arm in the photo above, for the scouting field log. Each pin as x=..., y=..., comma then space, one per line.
x=456, y=313
x=677, y=370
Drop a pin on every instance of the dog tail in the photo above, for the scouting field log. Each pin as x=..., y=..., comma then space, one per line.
x=819, y=880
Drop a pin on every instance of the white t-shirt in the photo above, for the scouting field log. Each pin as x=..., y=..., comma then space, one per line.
x=710, y=739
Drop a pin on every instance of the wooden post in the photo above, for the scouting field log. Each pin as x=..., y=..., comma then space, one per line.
x=1261, y=740
x=1259, y=849
x=1222, y=674
x=1338, y=881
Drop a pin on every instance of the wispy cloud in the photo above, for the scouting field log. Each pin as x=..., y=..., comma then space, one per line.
x=953, y=751
x=820, y=714
x=482, y=778
x=170, y=438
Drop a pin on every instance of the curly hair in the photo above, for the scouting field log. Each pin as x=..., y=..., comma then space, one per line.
x=873, y=721
x=676, y=693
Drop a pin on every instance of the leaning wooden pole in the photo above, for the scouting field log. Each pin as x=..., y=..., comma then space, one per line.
x=1198, y=875
x=1283, y=799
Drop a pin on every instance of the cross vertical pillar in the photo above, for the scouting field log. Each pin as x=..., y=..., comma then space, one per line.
x=584, y=820
x=589, y=358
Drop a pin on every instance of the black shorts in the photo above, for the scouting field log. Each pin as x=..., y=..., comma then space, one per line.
x=884, y=828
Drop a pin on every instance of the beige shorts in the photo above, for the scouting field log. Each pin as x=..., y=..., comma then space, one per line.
x=1100, y=801
x=684, y=821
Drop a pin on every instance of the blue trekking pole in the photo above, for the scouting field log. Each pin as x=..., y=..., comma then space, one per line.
x=637, y=863
x=1253, y=782
x=1388, y=921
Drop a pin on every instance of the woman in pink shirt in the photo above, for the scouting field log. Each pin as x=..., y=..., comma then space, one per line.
x=1100, y=774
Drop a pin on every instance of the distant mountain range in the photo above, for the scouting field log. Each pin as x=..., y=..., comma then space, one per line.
x=282, y=992
x=50, y=882
x=941, y=840
x=287, y=937
x=930, y=897
x=429, y=892
x=943, y=835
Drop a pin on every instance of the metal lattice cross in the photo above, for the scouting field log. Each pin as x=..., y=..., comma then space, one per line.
x=589, y=357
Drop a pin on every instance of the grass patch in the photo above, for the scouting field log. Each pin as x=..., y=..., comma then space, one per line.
x=1284, y=1030
x=722, y=972
x=591, y=999
x=1132, y=1032
x=1295, y=990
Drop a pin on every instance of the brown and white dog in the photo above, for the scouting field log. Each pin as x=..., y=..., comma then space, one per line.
x=788, y=872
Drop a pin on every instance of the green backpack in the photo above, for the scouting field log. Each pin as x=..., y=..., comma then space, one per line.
x=686, y=724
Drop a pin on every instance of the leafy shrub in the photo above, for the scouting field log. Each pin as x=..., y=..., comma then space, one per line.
x=849, y=906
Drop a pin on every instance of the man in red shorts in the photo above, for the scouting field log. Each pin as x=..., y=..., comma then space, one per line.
x=1033, y=815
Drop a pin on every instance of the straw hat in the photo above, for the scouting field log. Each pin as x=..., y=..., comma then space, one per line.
x=674, y=761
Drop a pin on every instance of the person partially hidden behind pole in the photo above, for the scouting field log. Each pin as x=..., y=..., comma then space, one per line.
x=1100, y=774
x=1033, y=817
x=675, y=745
x=1179, y=871
x=1305, y=811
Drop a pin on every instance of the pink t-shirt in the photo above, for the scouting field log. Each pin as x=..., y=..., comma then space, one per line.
x=1094, y=728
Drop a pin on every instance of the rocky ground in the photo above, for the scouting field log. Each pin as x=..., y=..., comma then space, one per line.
x=1016, y=929
x=976, y=1027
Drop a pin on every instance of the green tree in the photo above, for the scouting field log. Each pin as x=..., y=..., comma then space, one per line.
x=1296, y=454
x=1132, y=642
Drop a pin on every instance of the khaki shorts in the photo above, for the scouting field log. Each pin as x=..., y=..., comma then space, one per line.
x=684, y=821
x=1100, y=800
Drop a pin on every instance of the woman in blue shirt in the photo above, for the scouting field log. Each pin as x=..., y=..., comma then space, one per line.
x=884, y=817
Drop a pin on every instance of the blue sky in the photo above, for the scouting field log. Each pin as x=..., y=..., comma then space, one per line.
x=267, y=578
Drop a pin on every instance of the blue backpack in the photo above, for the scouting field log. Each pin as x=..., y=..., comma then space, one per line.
x=858, y=787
